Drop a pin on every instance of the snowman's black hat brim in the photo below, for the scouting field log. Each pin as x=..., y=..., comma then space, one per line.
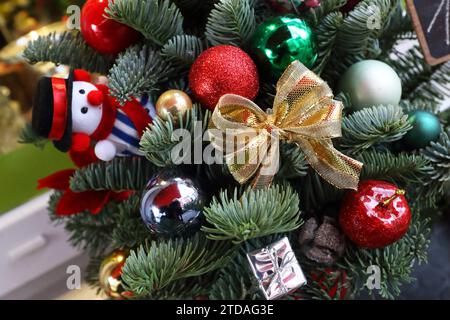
x=43, y=111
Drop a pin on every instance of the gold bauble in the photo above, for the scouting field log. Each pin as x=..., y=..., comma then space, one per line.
x=110, y=274
x=174, y=102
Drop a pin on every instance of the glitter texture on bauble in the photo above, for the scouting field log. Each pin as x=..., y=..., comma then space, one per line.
x=221, y=70
x=376, y=215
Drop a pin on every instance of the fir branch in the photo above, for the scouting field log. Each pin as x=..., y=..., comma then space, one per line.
x=29, y=136
x=69, y=49
x=438, y=153
x=180, y=289
x=262, y=10
x=122, y=173
x=316, y=193
x=234, y=282
x=410, y=67
x=137, y=71
x=262, y=242
x=346, y=101
x=326, y=37
x=183, y=289
x=129, y=230
x=293, y=162
x=373, y=126
x=322, y=282
x=92, y=272
x=437, y=86
x=317, y=15
x=86, y=231
x=158, y=140
x=399, y=28
x=355, y=40
x=395, y=261
x=231, y=22
x=267, y=94
x=181, y=51
x=420, y=81
x=153, y=268
x=427, y=105
x=178, y=84
x=438, y=173
x=157, y=20
x=417, y=238
x=217, y=174
x=118, y=225
x=401, y=168
x=256, y=213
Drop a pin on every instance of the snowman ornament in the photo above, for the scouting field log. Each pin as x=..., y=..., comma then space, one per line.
x=76, y=115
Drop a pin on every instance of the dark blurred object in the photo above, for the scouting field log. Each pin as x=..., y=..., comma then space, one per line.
x=433, y=277
x=11, y=121
x=18, y=17
x=21, y=80
x=323, y=243
x=19, y=76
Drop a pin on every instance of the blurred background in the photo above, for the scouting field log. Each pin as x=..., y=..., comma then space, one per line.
x=35, y=255
x=22, y=21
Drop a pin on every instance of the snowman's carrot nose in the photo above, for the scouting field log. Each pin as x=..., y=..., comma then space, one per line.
x=95, y=97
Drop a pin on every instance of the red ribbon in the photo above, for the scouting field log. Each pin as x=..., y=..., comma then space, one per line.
x=76, y=202
x=59, y=109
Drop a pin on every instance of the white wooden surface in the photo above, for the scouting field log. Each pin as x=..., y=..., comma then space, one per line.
x=30, y=245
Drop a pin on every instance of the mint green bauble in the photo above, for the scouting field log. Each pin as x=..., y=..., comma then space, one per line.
x=426, y=128
x=280, y=41
x=369, y=83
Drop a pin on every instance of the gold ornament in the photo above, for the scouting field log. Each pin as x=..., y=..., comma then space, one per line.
x=304, y=113
x=110, y=274
x=173, y=102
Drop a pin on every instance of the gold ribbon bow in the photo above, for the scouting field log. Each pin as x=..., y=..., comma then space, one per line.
x=304, y=112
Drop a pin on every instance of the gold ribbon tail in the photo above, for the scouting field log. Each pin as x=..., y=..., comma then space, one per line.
x=335, y=167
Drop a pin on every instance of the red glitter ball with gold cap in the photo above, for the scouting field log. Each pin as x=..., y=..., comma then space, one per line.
x=220, y=70
x=375, y=215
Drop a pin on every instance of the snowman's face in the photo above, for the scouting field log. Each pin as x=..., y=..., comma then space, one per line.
x=85, y=117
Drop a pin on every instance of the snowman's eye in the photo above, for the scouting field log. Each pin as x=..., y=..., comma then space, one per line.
x=82, y=91
x=84, y=110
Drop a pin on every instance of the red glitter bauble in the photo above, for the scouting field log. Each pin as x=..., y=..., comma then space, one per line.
x=105, y=35
x=221, y=70
x=375, y=215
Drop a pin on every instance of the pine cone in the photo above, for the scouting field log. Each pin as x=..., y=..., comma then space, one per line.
x=323, y=244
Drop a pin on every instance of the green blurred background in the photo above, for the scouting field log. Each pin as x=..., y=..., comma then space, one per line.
x=20, y=170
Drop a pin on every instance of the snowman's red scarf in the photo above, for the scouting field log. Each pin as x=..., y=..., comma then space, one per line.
x=108, y=115
x=132, y=109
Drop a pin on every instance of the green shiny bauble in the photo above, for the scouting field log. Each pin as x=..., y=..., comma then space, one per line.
x=370, y=83
x=280, y=41
x=426, y=128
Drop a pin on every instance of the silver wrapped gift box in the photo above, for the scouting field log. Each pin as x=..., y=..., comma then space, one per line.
x=277, y=270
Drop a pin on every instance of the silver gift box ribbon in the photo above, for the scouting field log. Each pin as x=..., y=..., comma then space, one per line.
x=277, y=269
